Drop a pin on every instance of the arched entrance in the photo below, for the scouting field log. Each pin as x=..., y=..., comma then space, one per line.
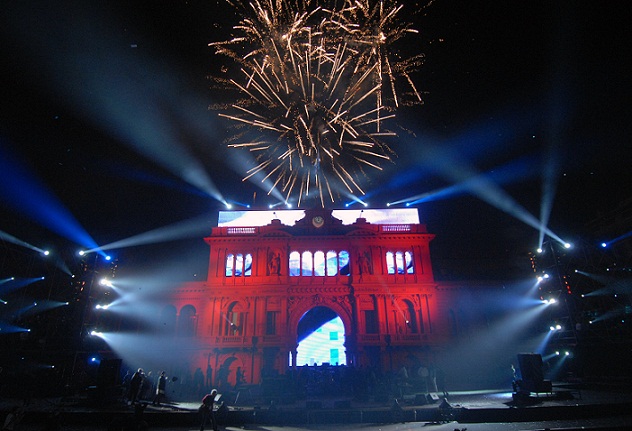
x=321, y=338
x=230, y=374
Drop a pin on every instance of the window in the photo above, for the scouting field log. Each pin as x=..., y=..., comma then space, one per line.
x=233, y=320
x=370, y=319
x=307, y=263
x=187, y=321
x=410, y=266
x=238, y=265
x=295, y=260
x=271, y=318
x=248, y=265
x=230, y=264
x=399, y=262
x=319, y=264
x=343, y=262
x=390, y=263
x=332, y=263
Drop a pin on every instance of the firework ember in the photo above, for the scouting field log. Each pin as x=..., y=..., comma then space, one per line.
x=317, y=83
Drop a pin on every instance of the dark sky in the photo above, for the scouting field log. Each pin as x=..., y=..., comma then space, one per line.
x=509, y=86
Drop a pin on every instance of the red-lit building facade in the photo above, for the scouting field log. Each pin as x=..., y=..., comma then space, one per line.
x=373, y=270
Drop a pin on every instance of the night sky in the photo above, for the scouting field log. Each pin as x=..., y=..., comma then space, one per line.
x=510, y=88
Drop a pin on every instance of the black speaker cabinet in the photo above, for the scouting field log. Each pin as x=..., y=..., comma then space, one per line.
x=531, y=367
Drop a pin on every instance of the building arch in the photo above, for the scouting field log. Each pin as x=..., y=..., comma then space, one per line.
x=334, y=303
x=320, y=339
x=187, y=321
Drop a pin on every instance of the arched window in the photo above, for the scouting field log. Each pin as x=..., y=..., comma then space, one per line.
x=230, y=265
x=399, y=262
x=411, y=318
x=410, y=264
x=343, y=262
x=319, y=263
x=307, y=263
x=390, y=263
x=248, y=265
x=234, y=317
x=187, y=321
x=239, y=265
x=332, y=263
x=295, y=264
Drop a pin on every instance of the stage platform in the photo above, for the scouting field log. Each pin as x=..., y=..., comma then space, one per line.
x=565, y=402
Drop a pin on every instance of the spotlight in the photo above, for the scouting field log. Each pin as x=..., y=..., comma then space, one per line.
x=567, y=353
x=546, y=275
x=81, y=252
x=557, y=352
x=108, y=258
x=105, y=282
x=604, y=245
x=46, y=253
x=567, y=245
x=228, y=206
x=539, y=250
x=551, y=301
x=552, y=328
x=558, y=327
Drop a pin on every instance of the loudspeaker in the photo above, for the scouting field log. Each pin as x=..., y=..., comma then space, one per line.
x=432, y=398
x=108, y=373
x=531, y=367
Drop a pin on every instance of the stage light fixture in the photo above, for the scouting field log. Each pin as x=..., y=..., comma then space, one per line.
x=557, y=352
x=539, y=250
x=81, y=252
x=604, y=245
x=46, y=252
x=567, y=353
x=567, y=245
x=108, y=258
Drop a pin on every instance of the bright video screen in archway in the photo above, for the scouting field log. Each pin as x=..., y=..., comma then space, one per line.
x=324, y=345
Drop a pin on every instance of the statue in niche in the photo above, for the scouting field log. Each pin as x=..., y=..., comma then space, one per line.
x=364, y=263
x=274, y=263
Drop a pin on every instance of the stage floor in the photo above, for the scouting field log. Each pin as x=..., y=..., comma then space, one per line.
x=565, y=408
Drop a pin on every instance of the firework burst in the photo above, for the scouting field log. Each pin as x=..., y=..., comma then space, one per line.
x=317, y=82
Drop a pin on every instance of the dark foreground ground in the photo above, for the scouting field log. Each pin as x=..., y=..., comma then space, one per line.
x=580, y=407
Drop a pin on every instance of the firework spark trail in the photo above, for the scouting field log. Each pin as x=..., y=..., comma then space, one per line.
x=314, y=74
